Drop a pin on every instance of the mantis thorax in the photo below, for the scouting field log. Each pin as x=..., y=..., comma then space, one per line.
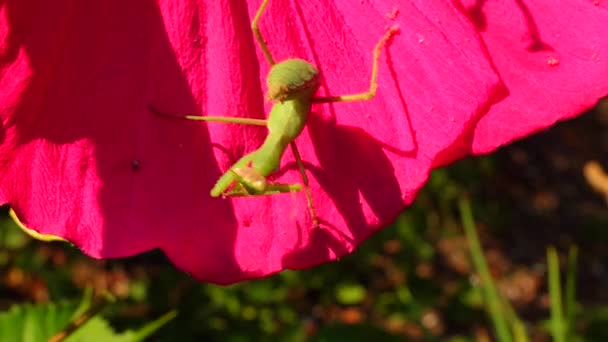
x=292, y=78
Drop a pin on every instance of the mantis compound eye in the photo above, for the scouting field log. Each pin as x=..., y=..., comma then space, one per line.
x=292, y=78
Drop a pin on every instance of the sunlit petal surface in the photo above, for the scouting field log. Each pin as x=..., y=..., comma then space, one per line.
x=82, y=157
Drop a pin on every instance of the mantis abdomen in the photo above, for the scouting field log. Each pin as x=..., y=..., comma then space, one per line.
x=285, y=123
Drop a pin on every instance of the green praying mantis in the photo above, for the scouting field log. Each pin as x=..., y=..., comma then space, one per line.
x=292, y=85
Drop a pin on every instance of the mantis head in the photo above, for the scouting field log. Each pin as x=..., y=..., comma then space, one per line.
x=292, y=78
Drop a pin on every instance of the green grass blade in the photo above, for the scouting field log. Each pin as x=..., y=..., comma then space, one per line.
x=489, y=290
x=150, y=328
x=517, y=325
x=558, y=325
x=519, y=331
x=570, y=299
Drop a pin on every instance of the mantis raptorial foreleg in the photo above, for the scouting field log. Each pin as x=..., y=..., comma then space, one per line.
x=292, y=84
x=251, y=182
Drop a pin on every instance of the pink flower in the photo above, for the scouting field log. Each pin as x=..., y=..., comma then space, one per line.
x=82, y=158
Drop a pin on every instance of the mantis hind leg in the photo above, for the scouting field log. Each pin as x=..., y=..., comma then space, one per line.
x=373, y=84
x=258, y=35
x=311, y=207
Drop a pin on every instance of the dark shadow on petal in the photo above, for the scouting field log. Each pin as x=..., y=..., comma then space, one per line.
x=478, y=18
x=9, y=50
x=95, y=67
x=463, y=146
x=356, y=166
x=536, y=42
x=476, y=15
x=389, y=61
x=354, y=171
x=322, y=244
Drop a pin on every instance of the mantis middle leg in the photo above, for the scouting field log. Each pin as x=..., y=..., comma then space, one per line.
x=258, y=35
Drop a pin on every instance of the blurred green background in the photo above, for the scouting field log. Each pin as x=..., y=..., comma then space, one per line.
x=412, y=281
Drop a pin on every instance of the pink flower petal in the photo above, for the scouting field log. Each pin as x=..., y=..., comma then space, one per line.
x=552, y=58
x=81, y=157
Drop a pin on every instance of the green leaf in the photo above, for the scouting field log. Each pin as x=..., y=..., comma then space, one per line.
x=99, y=330
x=33, y=323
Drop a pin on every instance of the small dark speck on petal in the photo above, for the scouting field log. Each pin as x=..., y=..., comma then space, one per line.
x=199, y=41
x=135, y=165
